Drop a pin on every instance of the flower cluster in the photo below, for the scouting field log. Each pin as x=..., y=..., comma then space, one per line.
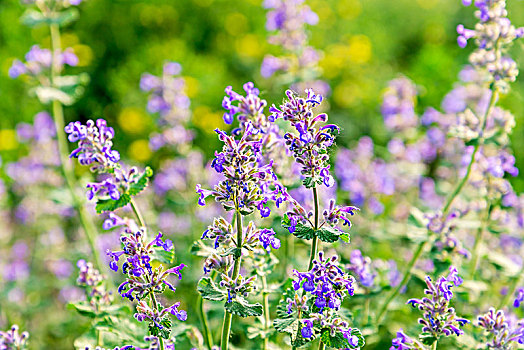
x=404, y=342
x=326, y=282
x=439, y=318
x=95, y=150
x=39, y=60
x=246, y=183
x=287, y=19
x=504, y=331
x=92, y=280
x=311, y=146
x=493, y=33
x=398, y=106
x=362, y=267
x=13, y=340
x=363, y=176
x=169, y=99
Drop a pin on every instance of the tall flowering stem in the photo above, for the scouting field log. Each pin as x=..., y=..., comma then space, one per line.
x=314, y=244
x=499, y=71
x=115, y=190
x=247, y=187
x=45, y=67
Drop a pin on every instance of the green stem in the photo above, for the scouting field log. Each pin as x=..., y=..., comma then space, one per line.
x=445, y=210
x=405, y=280
x=314, y=244
x=205, y=324
x=155, y=306
x=321, y=345
x=267, y=318
x=365, y=315
x=511, y=291
x=138, y=215
x=434, y=346
x=475, y=259
x=226, y=326
x=67, y=168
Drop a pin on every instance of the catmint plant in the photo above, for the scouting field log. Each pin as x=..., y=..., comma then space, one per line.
x=245, y=188
x=439, y=319
x=505, y=332
x=143, y=282
x=311, y=308
x=310, y=144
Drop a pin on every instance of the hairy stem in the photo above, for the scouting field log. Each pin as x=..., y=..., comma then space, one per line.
x=434, y=345
x=445, y=210
x=63, y=151
x=226, y=326
x=267, y=318
x=314, y=244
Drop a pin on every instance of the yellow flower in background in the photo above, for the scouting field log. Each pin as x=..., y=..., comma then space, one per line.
x=8, y=140
x=359, y=49
x=139, y=150
x=206, y=120
x=192, y=86
x=131, y=120
x=250, y=45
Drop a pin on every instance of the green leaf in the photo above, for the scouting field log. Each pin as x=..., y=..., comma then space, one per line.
x=199, y=248
x=103, y=205
x=159, y=254
x=284, y=325
x=83, y=308
x=235, y=251
x=345, y=237
x=86, y=340
x=304, y=232
x=241, y=307
x=361, y=341
x=47, y=94
x=417, y=219
x=309, y=182
x=137, y=187
x=34, y=18
x=427, y=338
x=329, y=234
x=337, y=342
x=163, y=332
x=209, y=290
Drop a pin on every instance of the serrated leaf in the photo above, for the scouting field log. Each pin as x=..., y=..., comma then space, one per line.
x=284, y=325
x=137, y=187
x=163, y=332
x=241, y=307
x=329, y=234
x=163, y=256
x=304, y=232
x=337, y=342
x=361, y=341
x=209, y=290
x=103, y=205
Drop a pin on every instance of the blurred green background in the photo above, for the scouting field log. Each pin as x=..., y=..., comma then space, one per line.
x=220, y=43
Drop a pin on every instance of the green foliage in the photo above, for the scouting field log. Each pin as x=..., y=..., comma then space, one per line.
x=103, y=205
x=209, y=290
x=141, y=184
x=33, y=18
x=163, y=256
x=163, y=332
x=241, y=307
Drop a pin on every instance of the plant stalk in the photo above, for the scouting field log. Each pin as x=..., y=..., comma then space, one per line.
x=67, y=168
x=208, y=338
x=267, y=318
x=434, y=345
x=314, y=244
x=226, y=326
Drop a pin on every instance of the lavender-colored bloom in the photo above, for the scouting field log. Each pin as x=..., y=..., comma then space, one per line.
x=362, y=268
x=404, y=342
x=398, y=107
x=439, y=318
x=13, y=340
x=519, y=297
x=504, y=331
